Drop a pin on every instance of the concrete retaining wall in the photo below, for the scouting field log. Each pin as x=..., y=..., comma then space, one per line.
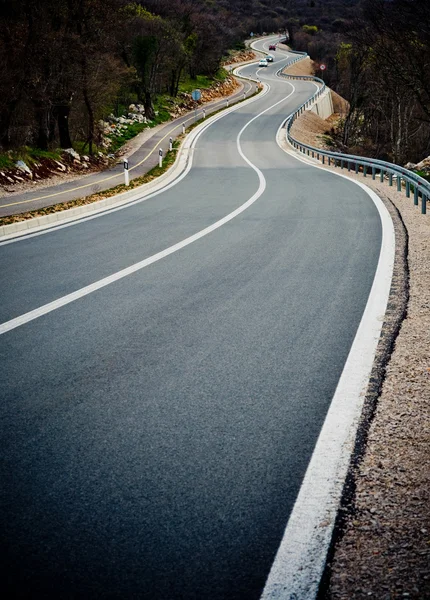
x=324, y=107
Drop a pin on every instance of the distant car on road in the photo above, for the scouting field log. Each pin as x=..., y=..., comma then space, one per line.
x=269, y=58
x=272, y=47
x=263, y=63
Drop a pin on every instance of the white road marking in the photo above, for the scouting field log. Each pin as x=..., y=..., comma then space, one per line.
x=89, y=289
x=300, y=560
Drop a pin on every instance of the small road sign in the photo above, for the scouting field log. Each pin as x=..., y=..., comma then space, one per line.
x=322, y=67
x=196, y=95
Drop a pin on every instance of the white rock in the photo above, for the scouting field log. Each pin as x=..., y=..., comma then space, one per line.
x=423, y=164
x=61, y=167
x=22, y=166
x=72, y=153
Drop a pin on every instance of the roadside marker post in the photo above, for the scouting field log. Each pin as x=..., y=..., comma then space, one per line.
x=171, y=144
x=183, y=128
x=126, y=174
x=160, y=157
x=204, y=113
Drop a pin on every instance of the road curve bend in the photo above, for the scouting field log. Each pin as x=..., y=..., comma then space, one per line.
x=161, y=406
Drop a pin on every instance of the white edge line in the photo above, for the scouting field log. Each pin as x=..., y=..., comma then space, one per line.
x=301, y=557
x=89, y=289
x=141, y=194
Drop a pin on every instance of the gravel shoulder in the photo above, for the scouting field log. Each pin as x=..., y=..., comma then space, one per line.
x=382, y=543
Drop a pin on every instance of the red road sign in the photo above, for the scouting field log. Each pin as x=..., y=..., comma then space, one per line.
x=322, y=67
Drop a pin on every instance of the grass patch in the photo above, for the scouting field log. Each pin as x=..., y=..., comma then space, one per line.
x=6, y=161
x=423, y=174
x=126, y=134
x=187, y=85
x=83, y=148
x=29, y=155
x=202, y=82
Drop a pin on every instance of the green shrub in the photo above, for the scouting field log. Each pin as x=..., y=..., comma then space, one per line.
x=310, y=29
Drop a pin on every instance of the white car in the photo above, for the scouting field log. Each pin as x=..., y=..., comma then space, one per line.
x=263, y=63
x=269, y=58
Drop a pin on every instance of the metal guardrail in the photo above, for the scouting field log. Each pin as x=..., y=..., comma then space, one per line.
x=413, y=183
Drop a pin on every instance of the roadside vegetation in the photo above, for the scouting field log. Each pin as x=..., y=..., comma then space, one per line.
x=67, y=66
x=376, y=57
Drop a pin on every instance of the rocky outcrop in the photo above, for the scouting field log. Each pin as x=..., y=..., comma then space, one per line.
x=424, y=166
x=70, y=161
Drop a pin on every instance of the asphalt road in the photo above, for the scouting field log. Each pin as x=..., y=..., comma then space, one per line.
x=155, y=432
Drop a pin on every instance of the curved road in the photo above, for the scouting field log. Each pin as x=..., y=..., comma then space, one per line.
x=155, y=432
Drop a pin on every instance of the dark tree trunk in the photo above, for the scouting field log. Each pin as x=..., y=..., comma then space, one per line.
x=175, y=78
x=149, y=108
x=51, y=126
x=90, y=121
x=172, y=85
x=62, y=114
x=5, y=121
x=41, y=115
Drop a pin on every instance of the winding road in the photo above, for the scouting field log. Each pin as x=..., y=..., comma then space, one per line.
x=167, y=368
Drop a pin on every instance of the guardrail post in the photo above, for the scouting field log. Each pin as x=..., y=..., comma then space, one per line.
x=364, y=170
x=423, y=203
x=390, y=178
x=408, y=189
x=323, y=159
x=399, y=183
x=416, y=195
x=341, y=164
x=308, y=151
x=356, y=168
x=381, y=176
x=313, y=154
x=373, y=172
x=329, y=161
x=349, y=166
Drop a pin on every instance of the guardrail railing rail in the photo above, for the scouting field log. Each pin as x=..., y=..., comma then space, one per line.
x=413, y=183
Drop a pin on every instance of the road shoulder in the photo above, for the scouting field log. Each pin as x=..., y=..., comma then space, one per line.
x=381, y=545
